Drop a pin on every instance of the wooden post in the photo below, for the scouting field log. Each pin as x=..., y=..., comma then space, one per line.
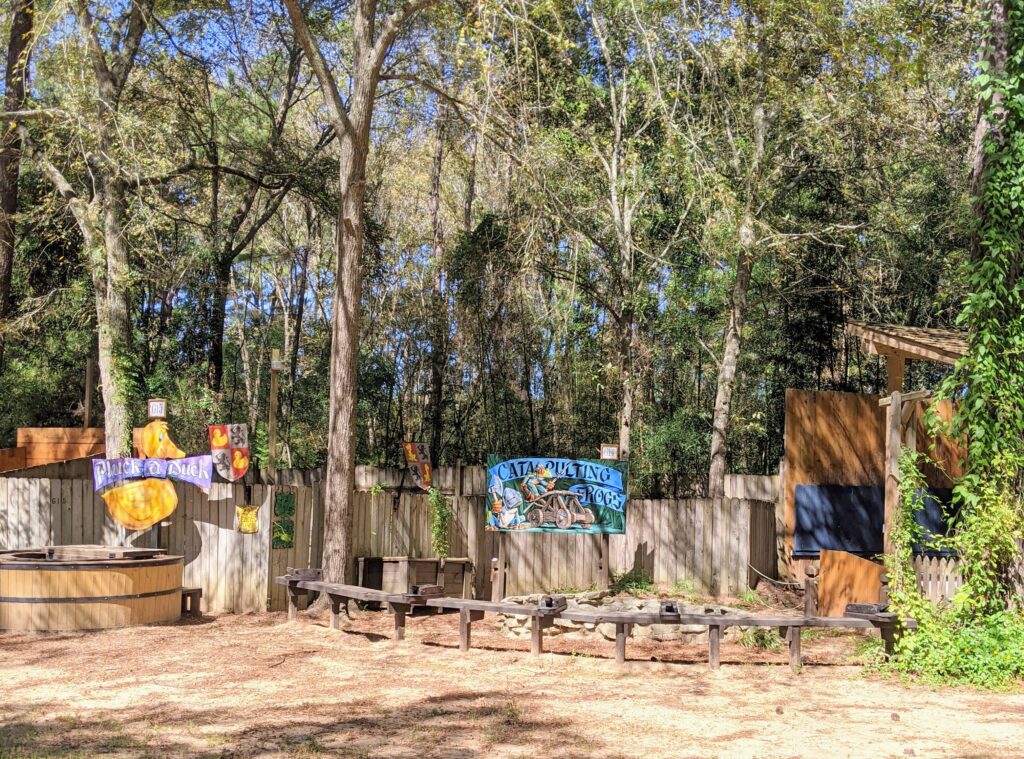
x=465, y=505
x=714, y=646
x=498, y=570
x=793, y=636
x=336, y=602
x=893, y=444
x=399, y=610
x=89, y=382
x=466, y=619
x=810, y=591
x=536, y=636
x=622, y=631
x=603, y=579
x=895, y=363
x=293, y=603
x=276, y=367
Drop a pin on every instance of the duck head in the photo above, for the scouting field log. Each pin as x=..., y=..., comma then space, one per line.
x=157, y=443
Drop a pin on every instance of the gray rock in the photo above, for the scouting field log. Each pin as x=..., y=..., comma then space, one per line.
x=665, y=632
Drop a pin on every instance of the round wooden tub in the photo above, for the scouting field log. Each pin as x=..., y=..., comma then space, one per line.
x=69, y=589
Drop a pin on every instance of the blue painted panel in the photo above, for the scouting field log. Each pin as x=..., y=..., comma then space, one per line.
x=838, y=518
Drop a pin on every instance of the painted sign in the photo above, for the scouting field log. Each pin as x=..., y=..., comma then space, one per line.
x=138, y=491
x=556, y=495
x=195, y=470
x=229, y=446
x=417, y=458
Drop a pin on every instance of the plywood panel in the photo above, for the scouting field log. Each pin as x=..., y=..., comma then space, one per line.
x=844, y=579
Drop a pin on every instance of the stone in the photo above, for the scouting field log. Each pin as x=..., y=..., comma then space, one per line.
x=607, y=629
x=665, y=632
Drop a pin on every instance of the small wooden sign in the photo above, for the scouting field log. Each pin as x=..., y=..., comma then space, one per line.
x=609, y=452
x=157, y=408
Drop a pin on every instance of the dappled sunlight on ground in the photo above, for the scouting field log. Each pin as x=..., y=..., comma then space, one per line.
x=255, y=685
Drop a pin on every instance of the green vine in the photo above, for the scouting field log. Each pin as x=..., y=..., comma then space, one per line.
x=990, y=412
x=440, y=522
x=978, y=638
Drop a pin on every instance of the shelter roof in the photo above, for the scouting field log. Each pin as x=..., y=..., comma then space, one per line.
x=921, y=343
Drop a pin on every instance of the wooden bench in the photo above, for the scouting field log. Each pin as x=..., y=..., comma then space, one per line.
x=398, y=604
x=542, y=615
x=789, y=627
x=190, y=598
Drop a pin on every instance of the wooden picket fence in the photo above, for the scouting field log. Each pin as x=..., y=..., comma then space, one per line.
x=938, y=578
x=715, y=546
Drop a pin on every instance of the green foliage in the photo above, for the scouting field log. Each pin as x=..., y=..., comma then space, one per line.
x=635, y=582
x=440, y=522
x=978, y=638
x=761, y=638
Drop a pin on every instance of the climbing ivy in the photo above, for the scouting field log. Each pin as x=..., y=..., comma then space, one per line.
x=978, y=638
x=987, y=381
x=440, y=521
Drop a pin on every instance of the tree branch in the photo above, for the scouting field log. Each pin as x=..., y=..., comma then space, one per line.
x=335, y=105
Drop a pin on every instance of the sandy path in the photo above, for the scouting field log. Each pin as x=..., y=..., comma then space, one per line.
x=258, y=686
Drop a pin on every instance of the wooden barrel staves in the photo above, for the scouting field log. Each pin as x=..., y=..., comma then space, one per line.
x=88, y=588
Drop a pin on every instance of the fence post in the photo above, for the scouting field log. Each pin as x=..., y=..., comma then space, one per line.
x=811, y=591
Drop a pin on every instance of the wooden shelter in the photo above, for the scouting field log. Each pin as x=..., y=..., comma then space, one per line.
x=842, y=450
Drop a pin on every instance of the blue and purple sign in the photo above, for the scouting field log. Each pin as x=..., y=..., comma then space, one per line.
x=556, y=495
x=195, y=470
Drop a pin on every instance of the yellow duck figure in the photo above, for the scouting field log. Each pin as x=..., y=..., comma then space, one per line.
x=139, y=504
x=240, y=461
x=219, y=439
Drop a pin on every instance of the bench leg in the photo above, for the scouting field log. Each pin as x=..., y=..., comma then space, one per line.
x=714, y=646
x=466, y=619
x=400, y=624
x=888, y=635
x=293, y=604
x=622, y=631
x=536, y=636
x=337, y=603
x=793, y=636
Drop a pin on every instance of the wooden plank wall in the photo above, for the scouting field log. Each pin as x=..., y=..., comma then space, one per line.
x=46, y=445
x=13, y=458
x=830, y=439
x=709, y=544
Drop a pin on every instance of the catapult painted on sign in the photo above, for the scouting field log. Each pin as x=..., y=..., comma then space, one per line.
x=556, y=495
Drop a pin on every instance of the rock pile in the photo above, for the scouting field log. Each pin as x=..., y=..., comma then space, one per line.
x=517, y=626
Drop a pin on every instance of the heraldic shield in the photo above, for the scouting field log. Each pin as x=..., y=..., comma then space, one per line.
x=229, y=445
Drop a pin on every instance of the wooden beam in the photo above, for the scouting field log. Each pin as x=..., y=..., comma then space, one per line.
x=893, y=445
x=895, y=365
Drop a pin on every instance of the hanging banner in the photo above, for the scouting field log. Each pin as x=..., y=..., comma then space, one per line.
x=229, y=446
x=417, y=458
x=138, y=491
x=195, y=470
x=556, y=495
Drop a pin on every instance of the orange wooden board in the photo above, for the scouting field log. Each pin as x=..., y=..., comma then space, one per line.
x=844, y=578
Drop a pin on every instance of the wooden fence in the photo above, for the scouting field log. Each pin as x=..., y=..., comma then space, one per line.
x=713, y=545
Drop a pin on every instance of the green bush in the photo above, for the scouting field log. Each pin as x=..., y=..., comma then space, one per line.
x=986, y=652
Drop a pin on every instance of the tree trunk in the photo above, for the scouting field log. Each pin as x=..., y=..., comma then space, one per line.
x=117, y=360
x=341, y=446
x=15, y=83
x=730, y=358
x=439, y=317
x=218, y=307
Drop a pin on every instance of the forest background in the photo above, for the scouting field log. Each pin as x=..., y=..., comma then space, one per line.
x=593, y=222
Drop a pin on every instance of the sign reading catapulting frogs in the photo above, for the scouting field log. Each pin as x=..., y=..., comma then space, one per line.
x=556, y=495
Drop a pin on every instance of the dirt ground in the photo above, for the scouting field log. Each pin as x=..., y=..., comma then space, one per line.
x=256, y=685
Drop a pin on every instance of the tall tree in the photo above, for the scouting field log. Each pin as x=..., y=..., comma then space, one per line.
x=15, y=85
x=100, y=204
x=351, y=122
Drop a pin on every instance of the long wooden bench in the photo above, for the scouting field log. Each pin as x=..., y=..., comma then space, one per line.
x=789, y=627
x=471, y=610
x=549, y=608
x=399, y=604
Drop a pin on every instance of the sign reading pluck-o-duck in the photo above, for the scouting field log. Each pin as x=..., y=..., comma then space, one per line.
x=138, y=491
